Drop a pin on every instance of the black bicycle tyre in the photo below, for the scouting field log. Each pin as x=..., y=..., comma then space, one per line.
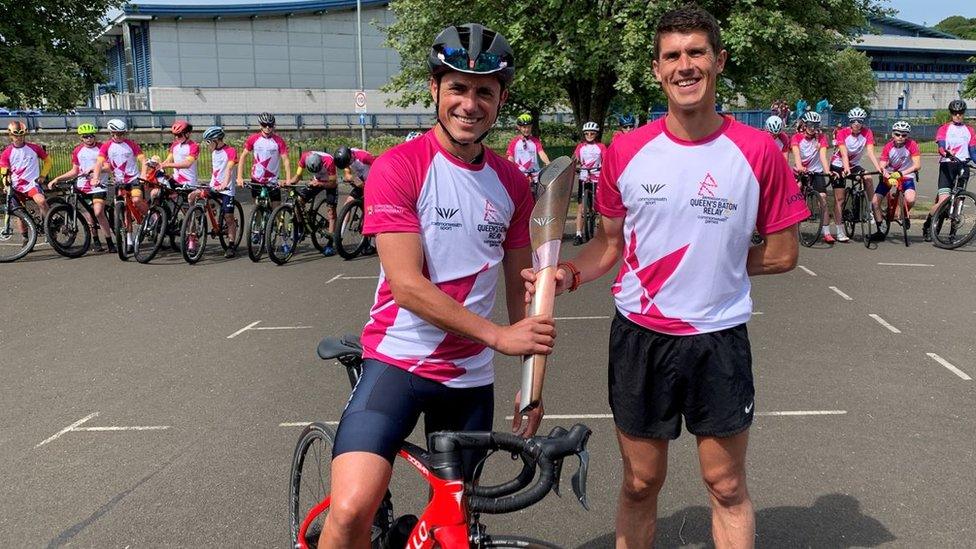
x=810, y=228
x=848, y=212
x=275, y=229
x=296, y=513
x=905, y=221
x=505, y=540
x=11, y=233
x=121, y=237
x=319, y=227
x=151, y=235
x=256, y=228
x=66, y=213
x=175, y=226
x=941, y=217
x=222, y=229
x=344, y=245
x=589, y=217
x=199, y=227
x=865, y=214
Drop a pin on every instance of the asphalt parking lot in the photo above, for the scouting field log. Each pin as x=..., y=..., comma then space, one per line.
x=156, y=405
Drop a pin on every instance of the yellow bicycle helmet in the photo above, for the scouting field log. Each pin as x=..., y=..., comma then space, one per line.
x=87, y=129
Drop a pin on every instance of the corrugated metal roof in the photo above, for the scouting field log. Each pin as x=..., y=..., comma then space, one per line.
x=914, y=43
x=919, y=30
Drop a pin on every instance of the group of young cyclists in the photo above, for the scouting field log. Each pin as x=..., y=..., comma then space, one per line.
x=27, y=166
x=898, y=164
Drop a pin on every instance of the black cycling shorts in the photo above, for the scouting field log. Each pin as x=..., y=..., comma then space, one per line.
x=948, y=171
x=308, y=194
x=357, y=193
x=274, y=194
x=819, y=182
x=387, y=402
x=579, y=190
x=655, y=379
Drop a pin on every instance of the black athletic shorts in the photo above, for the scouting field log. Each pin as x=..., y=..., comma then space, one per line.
x=655, y=379
x=948, y=171
x=387, y=402
x=819, y=182
x=308, y=194
x=357, y=193
x=579, y=190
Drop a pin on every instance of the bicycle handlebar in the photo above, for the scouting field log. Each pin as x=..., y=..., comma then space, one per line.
x=954, y=158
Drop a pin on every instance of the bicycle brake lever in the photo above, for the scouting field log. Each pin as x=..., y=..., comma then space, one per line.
x=557, y=472
x=579, y=479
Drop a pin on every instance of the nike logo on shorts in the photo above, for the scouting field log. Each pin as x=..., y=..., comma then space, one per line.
x=749, y=407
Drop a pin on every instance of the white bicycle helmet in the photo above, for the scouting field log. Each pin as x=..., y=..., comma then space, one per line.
x=774, y=124
x=857, y=113
x=591, y=127
x=117, y=125
x=901, y=126
x=812, y=118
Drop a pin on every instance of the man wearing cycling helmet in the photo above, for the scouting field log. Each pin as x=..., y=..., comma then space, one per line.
x=83, y=159
x=957, y=144
x=852, y=143
x=449, y=216
x=627, y=122
x=355, y=164
x=810, y=156
x=27, y=165
x=679, y=199
x=322, y=172
x=270, y=152
x=774, y=126
x=125, y=159
x=222, y=189
x=901, y=160
x=526, y=149
x=588, y=157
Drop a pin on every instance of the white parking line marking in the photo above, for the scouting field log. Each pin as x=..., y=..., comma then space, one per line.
x=304, y=423
x=907, y=264
x=581, y=318
x=949, y=366
x=67, y=429
x=333, y=279
x=283, y=328
x=125, y=428
x=808, y=271
x=244, y=329
x=780, y=413
x=840, y=293
x=360, y=278
x=884, y=323
x=757, y=313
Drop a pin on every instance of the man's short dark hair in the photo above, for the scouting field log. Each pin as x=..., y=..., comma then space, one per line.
x=687, y=20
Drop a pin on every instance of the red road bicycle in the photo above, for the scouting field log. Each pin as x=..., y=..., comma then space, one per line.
x=451, y=519
x=128, y=219
x=896, y=208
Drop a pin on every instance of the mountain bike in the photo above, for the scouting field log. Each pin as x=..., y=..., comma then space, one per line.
x=954, y=222
x=896, y=209
x=258, y=224
x=452, y=518
x=18, y=230
x=71, y=225
x=194, y=233
x=291, y=222
x=810, y=228
x=348, y=236
x=590, y=215
x=857, y=207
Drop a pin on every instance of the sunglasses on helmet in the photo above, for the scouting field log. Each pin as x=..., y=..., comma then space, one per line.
x=485, y=62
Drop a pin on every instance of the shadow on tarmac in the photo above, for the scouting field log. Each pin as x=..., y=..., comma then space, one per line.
x=834, y=521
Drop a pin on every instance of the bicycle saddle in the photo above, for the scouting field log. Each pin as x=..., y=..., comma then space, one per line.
x=335, y=347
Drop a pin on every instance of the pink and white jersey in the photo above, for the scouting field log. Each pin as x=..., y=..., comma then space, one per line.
x=958, y=138
x=525, y=152
x=24, y=164
x=856, y=145
x=221, y=161
x=328, y=165
x=123, y=159
x=782, y=141
x=361, y=163
x=590, y=156
x=181, y=152
x=267, y=156
x=84, y=159
x=467, y=215
x=810, y=151
x=900, y=158
x=689, y=211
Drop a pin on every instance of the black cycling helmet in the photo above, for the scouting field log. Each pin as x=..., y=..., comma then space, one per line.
x=266, y=119
x=342, y=157
x=313, y=163
x=473, y=49
x=957, y=106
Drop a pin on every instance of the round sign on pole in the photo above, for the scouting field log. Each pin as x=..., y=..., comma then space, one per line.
x=360, y=101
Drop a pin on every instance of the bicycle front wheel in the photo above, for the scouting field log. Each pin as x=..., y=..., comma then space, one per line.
x=15, y=244
x=811, y=226
x=310, y=481
x=67, y=231
x=193, y=236
x=589, y=217
x=850, y=212
x=504, y=540
x=282, y=234
x=905, y=221
x=864, y=219
x=319, y=226
x=255, y=235
x=954, y=222
x=150, y=237
x=121, y=233
x=348, y=235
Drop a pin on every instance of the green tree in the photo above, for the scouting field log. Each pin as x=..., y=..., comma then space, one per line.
x=591, y=54
x=50, y=50
x=969, y=86
x=959, y=26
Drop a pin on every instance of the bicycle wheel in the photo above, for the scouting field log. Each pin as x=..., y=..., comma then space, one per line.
x=151, y=235
x=282, y=234
x=222, y=233
x=905, y=221
x=175, y=227
x=255, y=235
x=13, y=243
x=589, y=218
x=67, y=231
x=864, y=218
x=194, y=234
x=954, y=222
x=849, y=213
x=319, y=227
x=121, y=235
x=504, y=540
x=310, y=480
x=811, y=226
x=348, y=234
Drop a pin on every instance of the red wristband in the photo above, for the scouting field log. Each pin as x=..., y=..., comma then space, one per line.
x=577, y=279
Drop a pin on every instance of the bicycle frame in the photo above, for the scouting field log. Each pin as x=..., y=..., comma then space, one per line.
x=132, y=212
